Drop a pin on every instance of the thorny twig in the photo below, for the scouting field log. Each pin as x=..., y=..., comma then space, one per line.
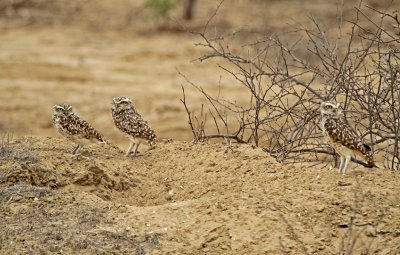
x=282, y=89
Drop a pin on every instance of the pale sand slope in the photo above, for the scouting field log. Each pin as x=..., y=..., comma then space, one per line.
x=240, y=202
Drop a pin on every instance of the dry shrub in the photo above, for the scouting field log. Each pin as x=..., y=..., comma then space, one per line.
x=23, y=190
x=285, y=79
x=19, y=150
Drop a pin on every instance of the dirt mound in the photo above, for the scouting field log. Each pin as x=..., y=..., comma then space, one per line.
x=188, y=198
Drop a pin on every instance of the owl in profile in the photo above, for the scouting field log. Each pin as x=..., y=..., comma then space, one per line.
x=341, y=136
x=129, y=122
x=74, y=128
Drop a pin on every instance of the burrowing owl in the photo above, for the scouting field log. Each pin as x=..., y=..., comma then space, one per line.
x=341, y=137
x=74, y=128
x=129, y=121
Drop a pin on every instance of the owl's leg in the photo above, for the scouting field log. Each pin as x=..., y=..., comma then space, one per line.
x=341, y=163
x=77, y=149
x=130, y=148
x=77, y=152
x=133, y=146
x=346, y=163
x=137, y=142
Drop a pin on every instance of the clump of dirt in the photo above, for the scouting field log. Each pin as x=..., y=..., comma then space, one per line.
x=17, y=151
x=189, y=198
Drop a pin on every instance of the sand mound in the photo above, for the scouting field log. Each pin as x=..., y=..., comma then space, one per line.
x=188, y=199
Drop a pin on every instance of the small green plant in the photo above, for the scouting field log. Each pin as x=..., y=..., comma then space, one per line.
x=160, y=10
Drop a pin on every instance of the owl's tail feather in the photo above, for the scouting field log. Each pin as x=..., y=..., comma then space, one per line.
x=152, y=142
x=369, y=156
x=365, y=152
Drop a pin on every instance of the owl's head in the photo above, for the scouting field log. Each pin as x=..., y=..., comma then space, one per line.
x=330, y=109
x=62, y=110
x=122, y=103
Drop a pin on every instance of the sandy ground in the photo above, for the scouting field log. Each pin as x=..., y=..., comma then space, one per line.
x=201, y=200
x=179, y=198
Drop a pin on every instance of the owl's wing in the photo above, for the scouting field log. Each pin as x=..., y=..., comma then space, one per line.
x=342, y=133
x=80, y=128
x=136, y=126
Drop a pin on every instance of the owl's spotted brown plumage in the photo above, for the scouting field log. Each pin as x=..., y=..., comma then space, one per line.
x=129, y=121
x=341, y=137
x=74, y=128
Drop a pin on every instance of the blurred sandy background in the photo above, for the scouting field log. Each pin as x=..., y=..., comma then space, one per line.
x=87, y=52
